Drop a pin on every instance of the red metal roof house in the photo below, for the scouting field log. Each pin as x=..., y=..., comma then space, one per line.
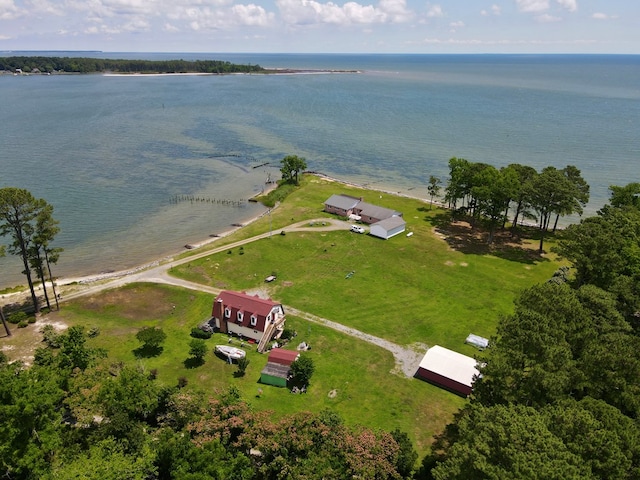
x=249, y=316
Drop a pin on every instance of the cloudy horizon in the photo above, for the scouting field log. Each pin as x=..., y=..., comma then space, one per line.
x=316, y=26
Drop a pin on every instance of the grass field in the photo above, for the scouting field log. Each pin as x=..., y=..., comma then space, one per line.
x=434, y=287
x=365, y=392
x=406, y=289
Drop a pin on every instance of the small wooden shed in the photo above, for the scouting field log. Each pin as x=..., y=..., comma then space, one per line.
x=276, y=372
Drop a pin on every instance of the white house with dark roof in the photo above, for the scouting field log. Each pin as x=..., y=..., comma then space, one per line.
x=388, y=227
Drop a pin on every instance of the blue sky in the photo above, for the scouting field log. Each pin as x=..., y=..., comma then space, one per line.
x=310, y=26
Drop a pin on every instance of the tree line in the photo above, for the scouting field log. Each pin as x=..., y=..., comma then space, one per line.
x=558, y=396
x=97, y=65
x=482, y=191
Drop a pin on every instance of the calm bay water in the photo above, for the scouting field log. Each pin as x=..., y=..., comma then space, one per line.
x=112, y=153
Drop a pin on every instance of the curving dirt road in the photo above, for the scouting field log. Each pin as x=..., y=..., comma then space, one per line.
x=407, y=359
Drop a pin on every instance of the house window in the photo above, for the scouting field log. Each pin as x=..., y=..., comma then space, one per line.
x=227, y=313
x=239, y=316
x=254, y=320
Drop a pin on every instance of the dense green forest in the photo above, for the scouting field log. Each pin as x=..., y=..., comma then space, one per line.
x=559, y=392
x=100, y=65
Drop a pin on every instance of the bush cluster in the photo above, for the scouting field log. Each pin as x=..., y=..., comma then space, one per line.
x=17, y=317
x=199, y=333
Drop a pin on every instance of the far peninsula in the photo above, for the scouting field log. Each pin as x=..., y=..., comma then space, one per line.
x=43, y=65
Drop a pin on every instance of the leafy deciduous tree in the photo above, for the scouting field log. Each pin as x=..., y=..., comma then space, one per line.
x=198, y=349
x=292, y=165
x=152, y=339
x=302, y=370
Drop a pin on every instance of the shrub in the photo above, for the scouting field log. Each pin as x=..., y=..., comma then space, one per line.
x=197, y=349
x=50, y=336
x=199, y=333
x=93, y=332
x=32, y=320
x=23, y=323
x=151, y=337
x=288, y=333
x=302, y=370
x=43, y=357
x=243, y=363
x=17, y=317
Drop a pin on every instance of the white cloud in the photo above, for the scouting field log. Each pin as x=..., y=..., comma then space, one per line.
x=603, y=16
x=495, y=10
x=251, y=14
x=136, y=25
x=9, y=10
x=217, y=15
x=571, y=5
x=304, y=12
x=396, y=9
x=533, y=6
x=168, y=27
x=547, y=18
x=435, y=11
x=45, y=6
x=458, y=24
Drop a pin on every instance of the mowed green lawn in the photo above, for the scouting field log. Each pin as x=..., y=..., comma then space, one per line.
x=407, y=289
x=352, y=377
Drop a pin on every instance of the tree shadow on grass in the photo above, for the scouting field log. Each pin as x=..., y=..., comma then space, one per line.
x=461, y=237
x=193, y=362
x=148, y=351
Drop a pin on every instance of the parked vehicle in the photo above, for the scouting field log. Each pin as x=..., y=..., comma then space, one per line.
x=357, y=229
